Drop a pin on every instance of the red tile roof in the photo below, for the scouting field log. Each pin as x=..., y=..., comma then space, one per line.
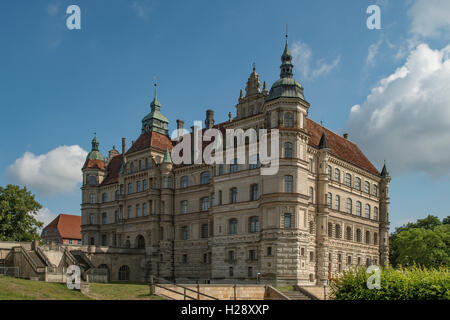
x=151, y=139
x=68, y=226
x=340, y=147
x=112, y=172
x=99, y=164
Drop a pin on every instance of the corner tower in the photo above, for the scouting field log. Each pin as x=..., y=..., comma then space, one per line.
x=155, y=120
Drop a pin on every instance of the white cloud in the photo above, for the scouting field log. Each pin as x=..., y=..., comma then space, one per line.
x=46, y=216
x=430, y=18
x=52, y=9
x=302, y=59
x=406, y=118
x=372, y=53
x=56, y=172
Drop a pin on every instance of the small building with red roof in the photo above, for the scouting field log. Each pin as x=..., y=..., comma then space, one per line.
x=64, y=229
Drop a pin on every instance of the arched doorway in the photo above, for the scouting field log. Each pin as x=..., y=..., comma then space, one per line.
x=124, y=273
x=140, y=242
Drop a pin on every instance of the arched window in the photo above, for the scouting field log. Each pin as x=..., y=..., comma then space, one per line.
x=91, y=198
x=358, y=208
x=288, y=150
x=288, y=184
x=130, y=188
x=184, y=182
x=116, y=195
x=375, y=238
x=349, y=205
x=358, y=235
x=232, y=226
x=337, y=203
x=288, y=120
x=330, y=172
x=375, y=213
x=131, y=167
x=337, y=175
x=358, y=183
x=337, y=230
x=165, y=182
x=204, y=203
x=253, y=224
x=124, y=273
x=205, y=177
x=140, y=242
x=254, y=192
x=138, y=210
x=366, y=187
x=367, y=211
x=375, y=190
x=348, y=233
x=367, y=237
x=329, y=198
x=348, y=180
x=349, y=260
x=311, y=256
x=330, y=229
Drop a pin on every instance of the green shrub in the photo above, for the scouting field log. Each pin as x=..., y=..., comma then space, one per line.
x=413, y=283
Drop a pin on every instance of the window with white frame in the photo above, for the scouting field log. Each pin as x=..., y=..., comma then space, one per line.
x=232, y=226
x=337, y=175
x=366, y=187
x=329, y=198
x=358, y=183
x=330, y=172
x=287, y=220
x=253, y=223
x=348, y=179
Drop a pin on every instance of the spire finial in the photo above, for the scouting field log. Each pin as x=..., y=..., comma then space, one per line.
x=254, y=67
x=286, y=32
x=155, y=84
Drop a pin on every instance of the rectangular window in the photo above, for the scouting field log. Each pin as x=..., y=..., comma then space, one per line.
x=252, y=255
x=269, y=251
x=254, y=192
x=129, y=212
x=184, y=206
x=104, y=240
x=287, y=220
x=163, y=207
x=138, y=186
x=204, y=233
x=184, y=233
x=231, y=256
x=144, y=209
x=233, y=195
x=144, y=184
x=288, y=184
x=250, y=272
x=116, y=216
x=184, y=258
x=138, y=210
x=104, y=216
x=91, y=219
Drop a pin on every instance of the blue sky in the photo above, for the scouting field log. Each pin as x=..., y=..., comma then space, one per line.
x=58, y=86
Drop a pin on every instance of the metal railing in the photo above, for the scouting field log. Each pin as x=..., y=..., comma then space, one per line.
x=158, y=282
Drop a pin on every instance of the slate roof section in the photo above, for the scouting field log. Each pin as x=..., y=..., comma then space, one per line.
x=112, y=175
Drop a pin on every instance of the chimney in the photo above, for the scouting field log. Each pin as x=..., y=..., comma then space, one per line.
x=124, y=145
x=346, y=136
x=209, y=121
x=180, y=127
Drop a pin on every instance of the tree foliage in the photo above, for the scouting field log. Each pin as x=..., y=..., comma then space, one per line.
x=414, y=283
x=425, y=242
x=17, y=214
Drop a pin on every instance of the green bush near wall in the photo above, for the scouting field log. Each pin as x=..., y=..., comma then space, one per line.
x=413, y=283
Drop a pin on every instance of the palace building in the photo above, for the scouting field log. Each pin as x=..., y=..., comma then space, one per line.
x=326, y=210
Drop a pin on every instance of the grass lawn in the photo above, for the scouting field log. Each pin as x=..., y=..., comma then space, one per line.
x=121, y=291
x=285, y=288
x=21, y=289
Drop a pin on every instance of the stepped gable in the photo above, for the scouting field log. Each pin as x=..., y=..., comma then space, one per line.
x=113, y=170
x=340, y=147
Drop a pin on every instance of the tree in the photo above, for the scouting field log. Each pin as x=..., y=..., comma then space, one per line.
x=429, y=248
x=17, y=214
x=425, y=242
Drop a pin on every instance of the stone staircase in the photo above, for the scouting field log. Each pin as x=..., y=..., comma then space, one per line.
x=296, y=295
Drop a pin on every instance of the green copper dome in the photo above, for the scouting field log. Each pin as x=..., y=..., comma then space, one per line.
x=155, y=120
x=95, y=153
x=286, y=86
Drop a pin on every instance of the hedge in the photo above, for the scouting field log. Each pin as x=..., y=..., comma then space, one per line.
x=413, y=283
